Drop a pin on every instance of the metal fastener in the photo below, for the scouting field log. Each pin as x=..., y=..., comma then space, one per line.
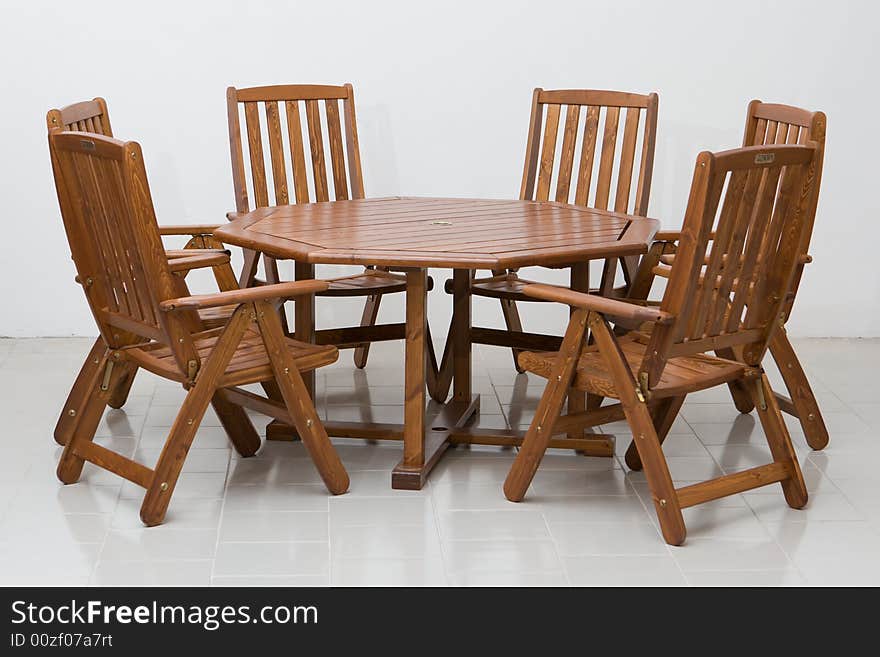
x=163, y=486
x=663, y=504
x=72, y=412
x=308, y=423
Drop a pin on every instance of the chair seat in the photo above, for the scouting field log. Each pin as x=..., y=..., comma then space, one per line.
x=371, y=281
x=249, y=364
x=216, y=317
x=682, y=374
x=509, y=286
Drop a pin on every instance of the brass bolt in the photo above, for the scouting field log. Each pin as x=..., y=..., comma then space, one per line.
x=163, y=486
x=662, y=504
x=72, y=412
x=559, y=377
x=308, y=423
x=189, y=421
x=287, y=370
x=539, y=428
x=811, y=417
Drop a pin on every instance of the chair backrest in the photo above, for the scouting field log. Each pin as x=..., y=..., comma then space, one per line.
x=114, y=240
x=772, y=123
x=85, y=116
x=600, y=113
x=283, y=107
x=731, y=295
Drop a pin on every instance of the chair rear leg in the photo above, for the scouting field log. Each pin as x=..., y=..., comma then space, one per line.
x=70, y=464
x=541, y=429
x=663, y=415
x=805, y=406
x=779, y=440
x=119, y=395
x=79, y=393
x=237, y=424
x=368, y=318
x=299, y=404
x=742, y=397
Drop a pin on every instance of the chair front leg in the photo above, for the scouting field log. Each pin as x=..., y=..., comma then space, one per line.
x=237, y=424
x=368, y=318
x=806, y=408
x=663, y=415
x=645, y=436
x=119, y=394
x=188, y=419
x=549, y=408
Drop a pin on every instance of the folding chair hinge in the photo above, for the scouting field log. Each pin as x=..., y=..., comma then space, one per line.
x=642, y=390
x=192, y=369
x=762, y=400
x=108, y=371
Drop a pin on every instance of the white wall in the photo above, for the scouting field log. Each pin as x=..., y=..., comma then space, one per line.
x=443, y=92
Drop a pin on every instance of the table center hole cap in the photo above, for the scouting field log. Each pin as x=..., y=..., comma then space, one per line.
x=441, y=223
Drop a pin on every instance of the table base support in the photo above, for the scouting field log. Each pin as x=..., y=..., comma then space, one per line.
x=438, y=429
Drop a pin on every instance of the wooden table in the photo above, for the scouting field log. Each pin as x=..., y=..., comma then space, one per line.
x=414, y=234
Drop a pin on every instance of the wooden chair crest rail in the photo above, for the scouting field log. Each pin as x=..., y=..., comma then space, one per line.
x=201, y=250
x=603, y=159
x=130, y=287
x=766, y=123
x=730, y=296
x=311, y=154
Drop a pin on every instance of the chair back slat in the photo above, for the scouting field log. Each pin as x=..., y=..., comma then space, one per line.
x=566, y=163
x=114, y=240
x=589, y=121
x=316, y=144
x=606, y=161
x=548, y=152
x=255, y=151
x=730, y=289
x=332, y=168
x=297, y=154
x=588, y=152
x=276, y=150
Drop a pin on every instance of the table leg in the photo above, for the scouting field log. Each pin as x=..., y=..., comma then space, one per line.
x=577, y=400
x=425, y=439
x=461, y=339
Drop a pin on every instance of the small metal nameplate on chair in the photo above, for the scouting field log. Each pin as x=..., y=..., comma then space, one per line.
x=441, y=223
x=765, y=158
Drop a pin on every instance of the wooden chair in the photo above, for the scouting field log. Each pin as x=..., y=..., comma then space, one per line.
x=766, y=123
x=296, y=111
x=728, y=297
x=130, y=286
x=199, y=251
x=579, y=179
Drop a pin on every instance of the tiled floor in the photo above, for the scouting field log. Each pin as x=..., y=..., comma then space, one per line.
x=268, y=520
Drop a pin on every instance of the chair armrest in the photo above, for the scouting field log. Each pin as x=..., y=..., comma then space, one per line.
x=247, y=295
x=232, y=216
x=193, y=230
x=188, y=253
x=667, y=236
x=198, y=260
x=598, y=304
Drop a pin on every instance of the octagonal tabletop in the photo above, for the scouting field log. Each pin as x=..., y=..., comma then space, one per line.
x=439, y=232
